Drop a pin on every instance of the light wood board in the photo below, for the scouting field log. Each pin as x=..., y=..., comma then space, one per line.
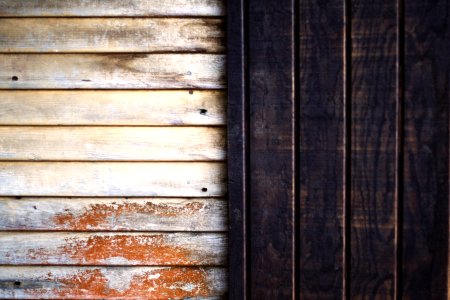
x=111, y=283
x=169, y=179
x=113, y=214
x=112, y=71
x=173, y=107
x=28, y=35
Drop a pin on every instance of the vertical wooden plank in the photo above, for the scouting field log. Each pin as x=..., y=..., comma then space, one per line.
x=321, y=150
x=426, y=175
x=373, y=156
x=237, y=151
x=272, y=155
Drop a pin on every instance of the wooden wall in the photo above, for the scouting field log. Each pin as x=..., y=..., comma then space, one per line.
x=112, y=149
x=339, y=149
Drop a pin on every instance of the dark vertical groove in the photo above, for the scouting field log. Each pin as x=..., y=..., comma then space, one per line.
x=348, y=145
x=296, y=135
x=247, y=142
x=400, y=146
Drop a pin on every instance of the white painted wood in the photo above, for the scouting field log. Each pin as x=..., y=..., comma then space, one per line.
x=112, y=71
x=105, y=35
x=198, y=179
x=112, y=107
x=113, y=214
x=118, y=8
x=152, y=249
x=112, y=143
x=111, y=283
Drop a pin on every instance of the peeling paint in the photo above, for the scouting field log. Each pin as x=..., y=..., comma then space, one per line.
x=98, y=214
x=116, y=249
x=173, y=283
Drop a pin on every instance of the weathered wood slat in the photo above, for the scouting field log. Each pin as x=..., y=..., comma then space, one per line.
x=154, y=249
x=373, y=150
x=111, y=35
x=112, y=143
x=112, y=179
x=112, y=107
x=271, y=158
x=100, y=214
x=426, y=151
x=111, y=71
x=107, y=283
x=117, y=8
x=321, y=153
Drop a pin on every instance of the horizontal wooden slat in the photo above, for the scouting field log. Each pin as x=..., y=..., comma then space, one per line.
x=111, y=35
x=112, y=107
x=112, y=8
x=151, y=249
x=117, y=282
x=111, y=71
x=112, y=179
x=112, y=143
x=100, y=214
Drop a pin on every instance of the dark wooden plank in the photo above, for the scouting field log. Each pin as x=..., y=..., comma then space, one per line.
x=373, y=146
x=237, y=152
x=271, y=95
x=426, y=159
x=321, y=149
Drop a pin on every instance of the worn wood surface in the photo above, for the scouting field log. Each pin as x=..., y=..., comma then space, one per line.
x=237, y=148
x=113, y=214
x=111, y=35
x=170, y=179
x=70, y=107
x=373, y=152
x=321, y=149
x=272, y=153
x=111, y=71
x=111, y=8
x=154, y=249
x=426, y=159
x=112, y=282
x=112, y=143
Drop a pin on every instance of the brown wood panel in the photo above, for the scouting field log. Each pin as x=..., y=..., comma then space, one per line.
x=271, y=180
x=426, y=150
x=112, y=8
x=373, y=150
x=111, y=283
x=111, y=71
x=111, y=35
x=112, y=143
x=112, y=107
x=151, y=249
x=170, y=179
x=321, y=149
x=113, y=214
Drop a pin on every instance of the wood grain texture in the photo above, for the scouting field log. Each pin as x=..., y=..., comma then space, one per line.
x=271, y=155
x=111, y=283
x=147, y=249
x=111, y=71
x=111, y=8
x=61, y=35
x=112, y=143
x=113, y=214
x=321, y=149
x=112, y=179
x=237, y=149
x=112, y=107
x=426, y=154
x=373, y=150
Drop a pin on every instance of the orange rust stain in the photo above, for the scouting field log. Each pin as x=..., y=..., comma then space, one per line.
x=170, y=283
x=96, y=215
x=138, y=249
